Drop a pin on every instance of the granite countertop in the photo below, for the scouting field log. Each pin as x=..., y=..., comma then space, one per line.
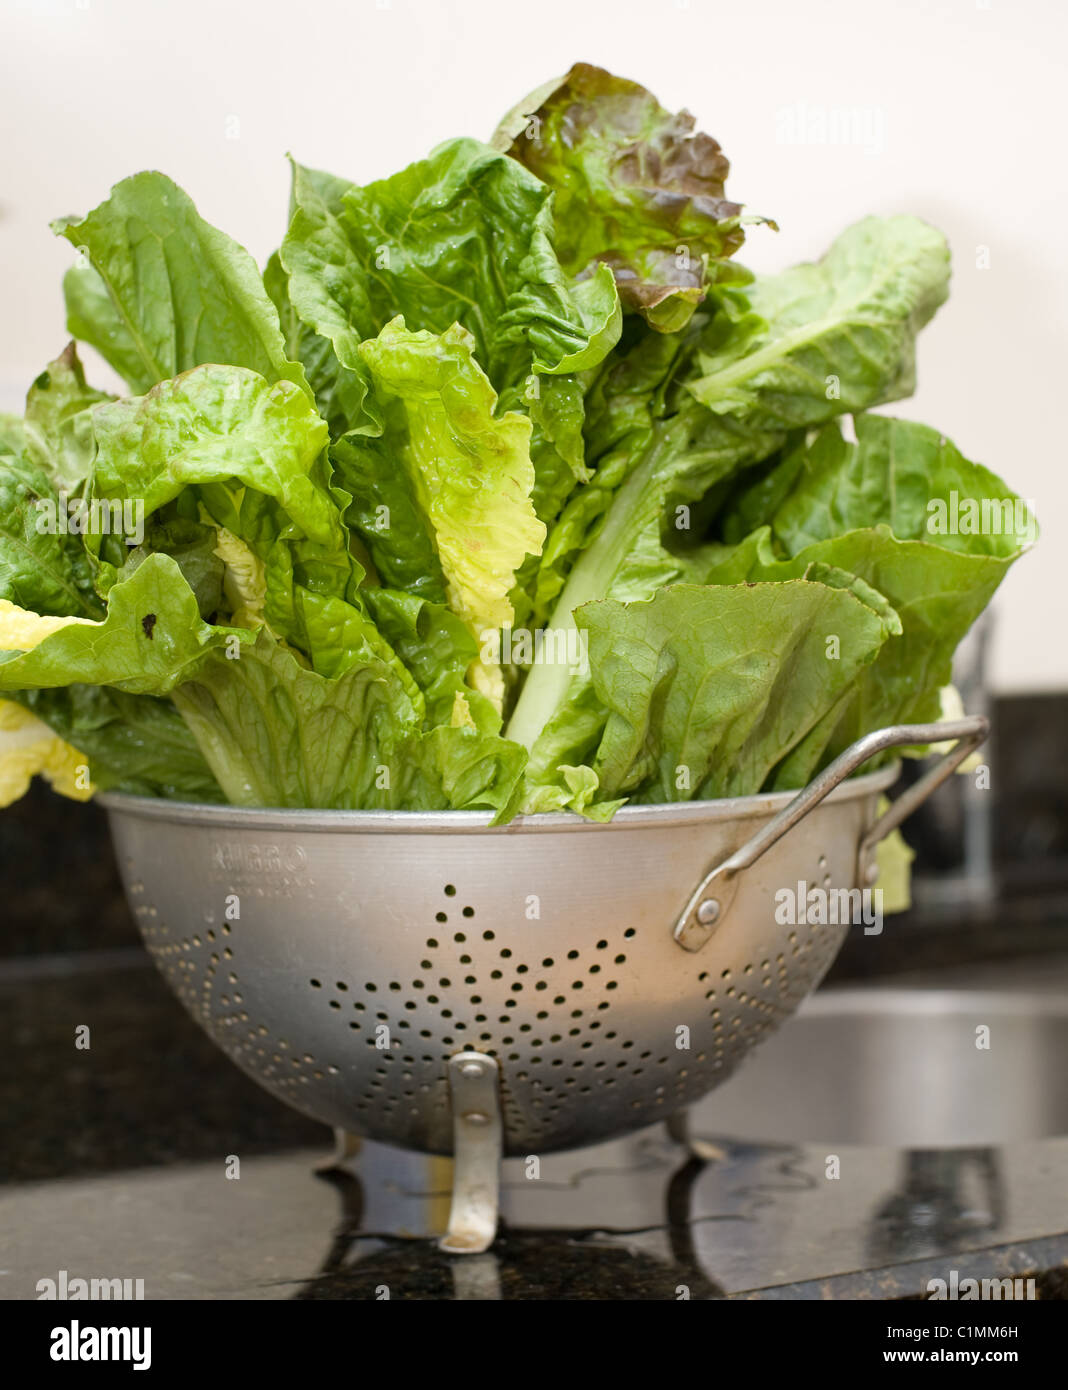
x=115, y=1160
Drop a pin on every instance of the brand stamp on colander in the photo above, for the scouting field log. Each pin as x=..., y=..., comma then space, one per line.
x=273, y=868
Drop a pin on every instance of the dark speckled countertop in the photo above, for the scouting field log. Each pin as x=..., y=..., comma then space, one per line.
x=114, y=1159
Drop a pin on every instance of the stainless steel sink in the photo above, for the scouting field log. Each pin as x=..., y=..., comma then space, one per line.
x=903, y=1067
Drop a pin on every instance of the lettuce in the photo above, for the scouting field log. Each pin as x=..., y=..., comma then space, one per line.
x=469, y=469
x=777, y=373
x=29, y=748
x=707, y=688
x=157, y=290
x=58, y=429
x=836, y=336
x=132, y=743
x=464, y=237
x=636, y=189
x=872, y=508
x=518, y=390
x=49, y=573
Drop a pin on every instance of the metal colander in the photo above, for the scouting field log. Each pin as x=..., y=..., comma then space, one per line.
x=428, y=981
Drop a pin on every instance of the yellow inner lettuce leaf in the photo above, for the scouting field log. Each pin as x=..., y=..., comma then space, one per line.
x=461, y=713
x=486, y=678
x=471, y=471
x=29, y=748
x=21, y=630
x=244, y=579
x=893, y=858
x=953, y=708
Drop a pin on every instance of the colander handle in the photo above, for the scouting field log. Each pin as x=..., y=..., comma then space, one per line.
x=713, y=896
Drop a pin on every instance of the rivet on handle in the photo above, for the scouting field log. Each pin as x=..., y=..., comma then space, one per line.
x=705, y=911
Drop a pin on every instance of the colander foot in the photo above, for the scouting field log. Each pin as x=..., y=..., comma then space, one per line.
x=346, y=1146
x=477, y=1146
x=678, y=1128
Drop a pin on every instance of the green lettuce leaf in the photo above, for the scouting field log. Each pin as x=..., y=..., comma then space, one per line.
x=463, y=236
x=708, y=687
x=386, y=514
x=131, y=743
x=277, y=734
x=44, y=567
x=157, y=290
x=12, y=434
x=898, y=474
x=151, y=638
x=438, y=649
x=766, y=384
x=215, y=424
x=221, y=447
x=838, y=335
x=873, y=509
x=622, y=404
x=194, y=547
x=341, y=393
x=58, y=423
x=557, y=409
x=468, y=472
x=249, y=454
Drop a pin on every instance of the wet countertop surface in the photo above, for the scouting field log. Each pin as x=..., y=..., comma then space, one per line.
x=148, y=1155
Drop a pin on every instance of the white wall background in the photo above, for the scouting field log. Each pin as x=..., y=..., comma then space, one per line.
x=961, y=119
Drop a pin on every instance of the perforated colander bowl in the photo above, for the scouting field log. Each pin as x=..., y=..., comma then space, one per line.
x=606, y=975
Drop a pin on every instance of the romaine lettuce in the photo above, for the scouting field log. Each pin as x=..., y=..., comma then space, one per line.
x=517, y=388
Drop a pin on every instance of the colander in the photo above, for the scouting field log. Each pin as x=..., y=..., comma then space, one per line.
x=430, y=981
